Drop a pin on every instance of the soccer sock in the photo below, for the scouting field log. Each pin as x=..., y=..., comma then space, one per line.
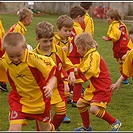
x=35, y=11
x=52, y=127
x=84, y=113
x=105, y=116
x=77, y=90
x=37, y=127
x=66, y=95
x=57, y=120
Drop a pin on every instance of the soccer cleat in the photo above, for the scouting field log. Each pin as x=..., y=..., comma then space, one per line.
x=58, y=129
x=69, y=100
x=125, y=82
x=83, y=129
x=115, y=126
x=74, y=104
x=66, y=120
x=3, y=87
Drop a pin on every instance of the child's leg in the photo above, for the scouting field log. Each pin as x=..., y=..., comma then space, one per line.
x=45, y=126
x=84, y=113
x=60, y=113
x=15, y=127
x=99, y=111
x=77, y=91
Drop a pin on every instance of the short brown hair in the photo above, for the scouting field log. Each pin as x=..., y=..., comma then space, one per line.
x=13, y=39
x=44, y=29
x=64, y=20
x=86, y=5
x=77, y=10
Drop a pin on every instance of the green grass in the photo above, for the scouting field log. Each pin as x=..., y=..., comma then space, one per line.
x=121, y=105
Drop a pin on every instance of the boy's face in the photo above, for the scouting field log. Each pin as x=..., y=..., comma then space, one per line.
x=15, y=53
x=45, y=43
x=109, y=20
x=80, y=50
x=28, y=20
x=80, y=19
x=64, y=33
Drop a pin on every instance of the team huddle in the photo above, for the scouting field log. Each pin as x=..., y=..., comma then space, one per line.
x=62, y=61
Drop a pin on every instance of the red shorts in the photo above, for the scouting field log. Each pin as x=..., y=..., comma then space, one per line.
x=17, y=117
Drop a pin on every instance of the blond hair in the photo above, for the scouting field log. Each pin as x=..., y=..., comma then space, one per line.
x=23, y=13
x=13, y=39
x=85, y=40
x=44, y=29
x=113, y=14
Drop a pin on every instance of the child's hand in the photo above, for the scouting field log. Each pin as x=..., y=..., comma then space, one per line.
x=71, y=78
x=114, y=86
x=47, y=91
x=105, y=38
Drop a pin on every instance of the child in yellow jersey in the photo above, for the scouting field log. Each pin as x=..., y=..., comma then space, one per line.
x=25, y=19
x=46, y=47
x=77, y=13
x=97, y=95
x=118, y=34
x=88, y=23
x=64, y=25
x=3, y=85
x=32, y=79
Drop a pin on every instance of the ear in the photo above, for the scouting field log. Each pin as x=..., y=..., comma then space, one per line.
x=37, y=38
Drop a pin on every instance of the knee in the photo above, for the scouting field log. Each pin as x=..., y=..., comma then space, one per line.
x=94, y=109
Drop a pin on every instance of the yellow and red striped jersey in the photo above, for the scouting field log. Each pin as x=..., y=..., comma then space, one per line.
x=94, y=69
x=27, y=80
x=18, y=27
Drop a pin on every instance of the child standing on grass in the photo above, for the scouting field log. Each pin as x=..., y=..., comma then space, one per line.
x=32, y=79
x=118, y=34
x=88, y=24
x=64, y=25
x=46, y=47
x=77, y=14
x=25, y=19
x=3, y=85
x=98, y=94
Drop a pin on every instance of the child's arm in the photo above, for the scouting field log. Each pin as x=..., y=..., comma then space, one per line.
x=117, y=84
x=48, y=88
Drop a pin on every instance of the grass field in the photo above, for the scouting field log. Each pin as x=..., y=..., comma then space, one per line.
x=121, y=105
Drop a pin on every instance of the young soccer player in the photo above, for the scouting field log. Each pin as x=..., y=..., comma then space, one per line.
x=3, y=85
x=46, y=47
x=31, y=7
x=118, y=34
x=127, y=71
x=88, y=23
x=32, y=79
x=64, y=25
x=97, y=95
x=25, y=19
x=77, y=13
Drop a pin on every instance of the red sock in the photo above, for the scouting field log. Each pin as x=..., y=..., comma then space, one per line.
x=37, y=127
x=77, y=90
x=85, y=117
x=57, y=120
x=107, y=117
